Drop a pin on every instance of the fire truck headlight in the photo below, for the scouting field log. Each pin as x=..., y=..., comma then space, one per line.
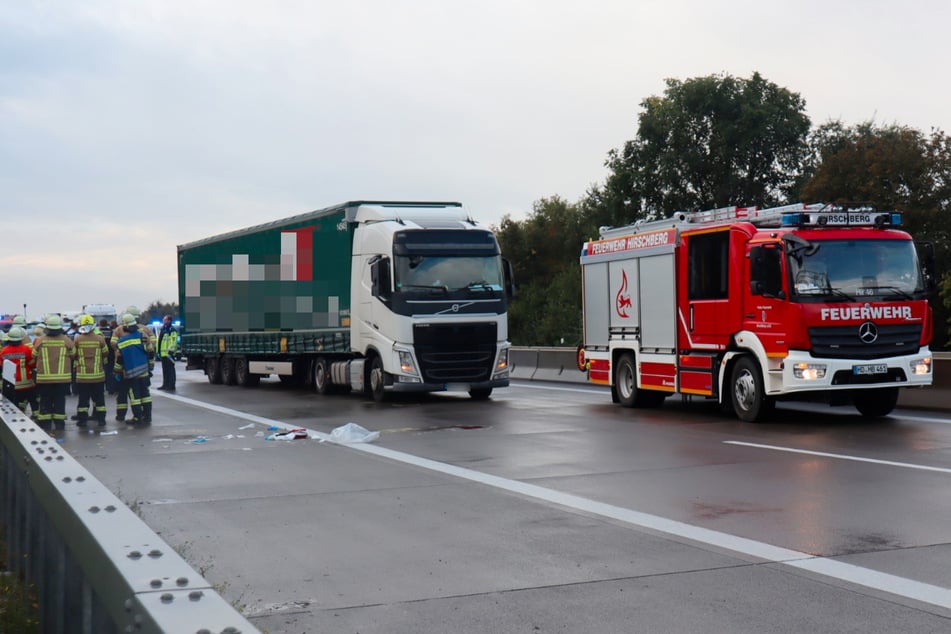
x=809, y=371
x=406, y=362
x=921, y=366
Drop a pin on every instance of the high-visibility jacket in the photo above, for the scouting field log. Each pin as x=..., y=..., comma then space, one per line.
x=54, y=359
x=148, y=341
x=168, y=342
x=131, y=355
x=22, y=355
x=91, y=353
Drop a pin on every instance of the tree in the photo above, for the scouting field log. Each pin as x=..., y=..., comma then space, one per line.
x=891, y=167
x=158, y=309
x=544, y=251
x=708, y=142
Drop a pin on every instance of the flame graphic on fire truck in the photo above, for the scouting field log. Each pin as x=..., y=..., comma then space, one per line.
x=622, y=300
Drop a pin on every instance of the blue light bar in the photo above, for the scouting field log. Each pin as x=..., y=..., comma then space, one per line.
x=791, y=220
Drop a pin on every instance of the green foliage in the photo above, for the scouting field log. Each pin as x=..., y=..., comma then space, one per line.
x=544, y=251
x=708, y=142
x=892, y=167
x=158, y=309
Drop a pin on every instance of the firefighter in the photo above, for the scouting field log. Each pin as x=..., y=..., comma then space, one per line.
x=21, y=391
x=132, y=360
x=167, y=347
x=92, y=351
x=53, y=353
x=106, y=331
x=123, y=386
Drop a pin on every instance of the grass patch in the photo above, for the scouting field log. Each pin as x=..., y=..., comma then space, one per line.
x=19, y=612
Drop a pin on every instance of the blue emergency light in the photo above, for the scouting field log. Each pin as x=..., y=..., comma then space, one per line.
x=842, y=218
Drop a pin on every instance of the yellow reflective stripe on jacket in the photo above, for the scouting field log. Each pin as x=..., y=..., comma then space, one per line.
x=53, y=365
x=89, y=356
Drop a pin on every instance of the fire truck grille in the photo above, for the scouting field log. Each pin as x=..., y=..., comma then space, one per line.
x=455, y=353
x=843, y=342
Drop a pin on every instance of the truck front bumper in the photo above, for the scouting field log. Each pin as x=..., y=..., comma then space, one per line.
x=405, y=386
x=802, y=372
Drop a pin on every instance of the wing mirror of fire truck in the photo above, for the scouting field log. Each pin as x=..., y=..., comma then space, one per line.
x=766, y=271
x=509, y=278
x=926, y=257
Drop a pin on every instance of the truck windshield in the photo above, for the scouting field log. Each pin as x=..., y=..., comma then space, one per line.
x=855, y=270
x=443, y=273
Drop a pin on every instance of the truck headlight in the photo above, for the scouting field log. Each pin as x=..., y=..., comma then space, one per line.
x=809, y=371
x=920, y=366
x=503, y=360
x=406, y=362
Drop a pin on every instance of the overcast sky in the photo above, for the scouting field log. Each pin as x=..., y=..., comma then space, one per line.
x=128, y=127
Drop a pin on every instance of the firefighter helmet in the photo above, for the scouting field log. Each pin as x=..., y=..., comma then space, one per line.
x=132, y=310
x=54, y=322
x=16, y=334
x=19, y=320
x=87, y=320
x=127, y=320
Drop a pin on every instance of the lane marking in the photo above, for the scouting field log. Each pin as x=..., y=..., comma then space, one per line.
x=857, y=575
x=839, y=456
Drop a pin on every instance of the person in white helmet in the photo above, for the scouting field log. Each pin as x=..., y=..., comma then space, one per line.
x=54, y=353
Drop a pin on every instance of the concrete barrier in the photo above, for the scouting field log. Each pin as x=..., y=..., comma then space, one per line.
x=560, y=364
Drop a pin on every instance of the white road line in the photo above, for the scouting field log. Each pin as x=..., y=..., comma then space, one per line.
x=839, y=456
x=892, y=584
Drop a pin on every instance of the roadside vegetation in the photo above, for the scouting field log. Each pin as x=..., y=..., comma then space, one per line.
x=19, y=612
x=718, y=141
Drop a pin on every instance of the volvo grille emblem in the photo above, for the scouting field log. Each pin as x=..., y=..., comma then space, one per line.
x=868, y=332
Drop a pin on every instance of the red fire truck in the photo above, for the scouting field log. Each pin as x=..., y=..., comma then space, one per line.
x=745, y=306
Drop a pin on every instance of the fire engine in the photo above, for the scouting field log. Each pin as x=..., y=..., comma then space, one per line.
x=745, y=306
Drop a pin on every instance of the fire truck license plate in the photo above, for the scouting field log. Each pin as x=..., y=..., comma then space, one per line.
x=871, y=368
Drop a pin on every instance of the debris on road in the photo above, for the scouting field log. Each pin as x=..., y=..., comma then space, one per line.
x=353, y=433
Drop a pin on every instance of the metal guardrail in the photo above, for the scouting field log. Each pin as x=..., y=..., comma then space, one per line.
x=95, y=565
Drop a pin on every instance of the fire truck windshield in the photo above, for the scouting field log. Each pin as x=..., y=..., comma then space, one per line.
x=855, y=270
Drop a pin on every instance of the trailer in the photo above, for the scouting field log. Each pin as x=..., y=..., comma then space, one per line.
x=744, y=306
x=366, y=296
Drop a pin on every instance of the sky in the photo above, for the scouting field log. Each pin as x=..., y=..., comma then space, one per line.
x=128, y=127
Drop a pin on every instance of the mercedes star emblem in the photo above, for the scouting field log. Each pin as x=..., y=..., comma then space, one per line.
x=868, y=332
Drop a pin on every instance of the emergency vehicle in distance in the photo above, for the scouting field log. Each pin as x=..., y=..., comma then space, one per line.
x=746, y=306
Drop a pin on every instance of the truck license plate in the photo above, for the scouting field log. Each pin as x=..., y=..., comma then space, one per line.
x=870, y=368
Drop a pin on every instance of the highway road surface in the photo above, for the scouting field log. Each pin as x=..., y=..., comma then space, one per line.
x=545, y=509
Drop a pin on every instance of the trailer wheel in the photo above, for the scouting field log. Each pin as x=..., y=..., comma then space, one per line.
x=227, y=371
x=321, y=373
x=748, y=392
x=213, y=370
x=242, y=374
x=480, y=394
x=875, y=403
x=375, y=379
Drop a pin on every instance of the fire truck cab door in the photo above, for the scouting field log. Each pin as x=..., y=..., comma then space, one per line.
x=764, y=305
x=703, y=298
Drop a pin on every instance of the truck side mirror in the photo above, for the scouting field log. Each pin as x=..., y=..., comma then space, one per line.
x=926, y=257
x=380, y=278
x=509, y=278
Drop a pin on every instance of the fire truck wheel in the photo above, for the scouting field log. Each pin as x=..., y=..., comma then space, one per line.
x=748, y=393
x=876, y=403
x=625, y=380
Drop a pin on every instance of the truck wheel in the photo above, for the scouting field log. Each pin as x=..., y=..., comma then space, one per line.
x=375, y=379
x=748, y=392
x=625, y=380
x=243, y=375
x=876, y=403
x=480, y=394
x=227, y=371
x=322, y=382
x=213, y=370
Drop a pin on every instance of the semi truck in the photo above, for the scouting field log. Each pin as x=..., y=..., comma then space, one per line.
x=366, y=296
x=745, y=306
